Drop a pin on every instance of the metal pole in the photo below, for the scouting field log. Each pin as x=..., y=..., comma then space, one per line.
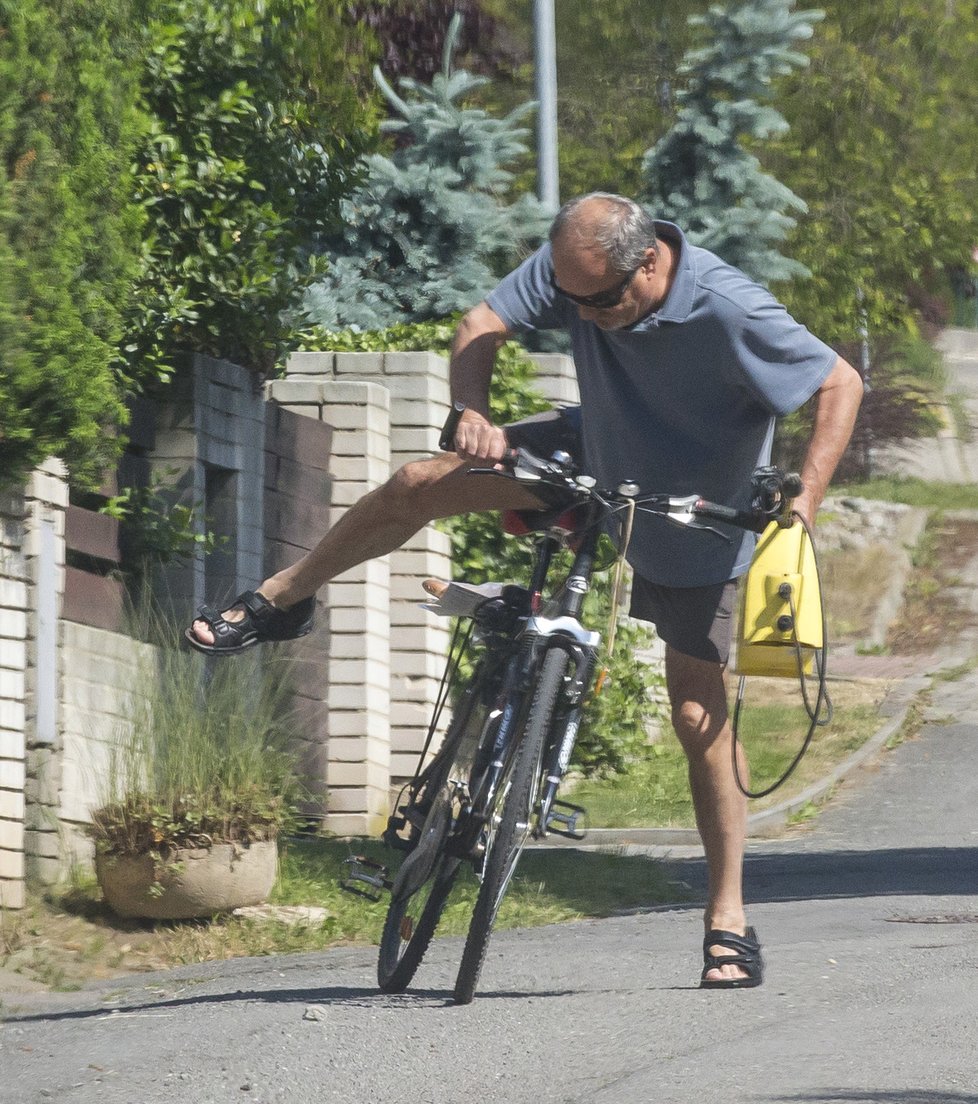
x=545, y=72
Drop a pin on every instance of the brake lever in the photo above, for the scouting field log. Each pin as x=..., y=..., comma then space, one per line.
x=680, y=511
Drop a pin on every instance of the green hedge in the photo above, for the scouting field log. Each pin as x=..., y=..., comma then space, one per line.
x=69, y=229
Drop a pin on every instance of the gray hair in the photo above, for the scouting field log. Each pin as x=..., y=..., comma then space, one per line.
x=618, y=225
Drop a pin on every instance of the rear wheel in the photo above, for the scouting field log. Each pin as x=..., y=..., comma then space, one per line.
x=519, y=797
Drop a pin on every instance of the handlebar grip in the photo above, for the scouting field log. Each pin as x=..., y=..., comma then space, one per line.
x=446, y=442
x=792, y=485
x=756, y=523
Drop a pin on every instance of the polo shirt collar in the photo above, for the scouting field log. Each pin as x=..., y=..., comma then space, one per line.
x=679, y=301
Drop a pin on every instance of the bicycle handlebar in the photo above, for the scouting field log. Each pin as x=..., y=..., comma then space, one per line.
x=772, y=489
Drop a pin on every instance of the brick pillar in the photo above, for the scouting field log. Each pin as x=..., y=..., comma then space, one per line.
x=13, y=691
x=556, y=379
x=358, y=757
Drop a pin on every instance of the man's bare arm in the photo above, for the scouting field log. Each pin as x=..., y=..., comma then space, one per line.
x=838, y=402
x=477, y=339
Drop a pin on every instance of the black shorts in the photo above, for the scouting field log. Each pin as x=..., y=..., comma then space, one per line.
x=696, y=621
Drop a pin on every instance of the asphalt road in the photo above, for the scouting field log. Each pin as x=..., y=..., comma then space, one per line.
x=869, y=921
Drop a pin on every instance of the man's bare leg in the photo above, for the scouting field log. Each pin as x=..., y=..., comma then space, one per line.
x=697, y=693
x=383, y=520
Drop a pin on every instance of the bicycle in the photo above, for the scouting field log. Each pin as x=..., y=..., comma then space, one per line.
x=493, y=784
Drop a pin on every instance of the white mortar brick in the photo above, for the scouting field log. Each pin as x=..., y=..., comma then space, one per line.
x=294, y=391
x=353, y=824
x=349, y=724
x=373, y=646
x=11, y=850
x=357, y=621
x=13, y=594
x=12, y=715
x=347, y=749
x=11, y=774
x=347, y=416
x=11, y=684
x=356, y=595
x=359, y=364
x=356, y=697
x=308, y=410
x=431, y=389
x=47, y=484
x=359, y=469
x=12, y=894
x=369, y=573
x=11, y=805
x=409, y=614
x=374, y=395
x=414, y=664
x=12, y=744
x=403, y=765
x=408, y=639
x=311, y=364
x=357, y=672
x=352, y=799
x=419, y=363
x=420, y=413
x=360, y=443
x=416, y=441
x=13, y=625
x=421, y=690
x=370, y=775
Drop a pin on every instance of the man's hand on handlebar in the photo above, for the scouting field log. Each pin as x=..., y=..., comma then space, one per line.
x=478, y=441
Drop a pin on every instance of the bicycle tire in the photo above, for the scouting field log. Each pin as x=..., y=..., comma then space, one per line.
x=514, y=827
x=425, y=879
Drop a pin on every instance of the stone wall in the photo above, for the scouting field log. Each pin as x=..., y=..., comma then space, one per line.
x=31, y=584
x=278, y=469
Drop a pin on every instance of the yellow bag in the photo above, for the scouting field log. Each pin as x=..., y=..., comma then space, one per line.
x=780, y=605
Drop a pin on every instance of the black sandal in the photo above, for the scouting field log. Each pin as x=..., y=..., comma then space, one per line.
x=747, y=955
x=262, y=622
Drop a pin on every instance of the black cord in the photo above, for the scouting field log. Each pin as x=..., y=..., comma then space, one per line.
x=822, y=698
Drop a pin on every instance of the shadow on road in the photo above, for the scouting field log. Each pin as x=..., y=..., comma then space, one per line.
x=880, y=1096
x=811, y=875
x=338, y=996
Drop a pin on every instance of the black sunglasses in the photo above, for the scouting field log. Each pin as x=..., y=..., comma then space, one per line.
x=602, y=300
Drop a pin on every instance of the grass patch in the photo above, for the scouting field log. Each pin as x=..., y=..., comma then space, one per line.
x=913, y=492
x=655, y=793
x=61, y=943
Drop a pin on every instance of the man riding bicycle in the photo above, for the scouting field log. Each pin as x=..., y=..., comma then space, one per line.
x=683, y=365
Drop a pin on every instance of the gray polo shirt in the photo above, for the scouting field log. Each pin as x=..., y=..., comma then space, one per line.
x=682, y=402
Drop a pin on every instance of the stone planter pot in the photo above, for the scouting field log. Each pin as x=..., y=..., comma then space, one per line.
x=195, y=882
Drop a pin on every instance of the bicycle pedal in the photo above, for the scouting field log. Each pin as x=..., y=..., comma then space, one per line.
x=369, y=873
x=563, y=819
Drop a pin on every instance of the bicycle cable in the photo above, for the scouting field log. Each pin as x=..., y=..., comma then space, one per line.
x=814, y=712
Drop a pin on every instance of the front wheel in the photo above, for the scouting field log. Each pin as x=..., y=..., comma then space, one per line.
x=519, y=800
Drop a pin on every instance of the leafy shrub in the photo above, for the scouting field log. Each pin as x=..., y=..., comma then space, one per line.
x=69, y=230
x=255, y=132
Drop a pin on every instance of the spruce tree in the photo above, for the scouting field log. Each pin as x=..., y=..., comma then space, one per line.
x=429, y=230
x=701, y=173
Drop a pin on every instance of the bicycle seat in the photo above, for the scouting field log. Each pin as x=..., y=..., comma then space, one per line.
x=518, y=523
